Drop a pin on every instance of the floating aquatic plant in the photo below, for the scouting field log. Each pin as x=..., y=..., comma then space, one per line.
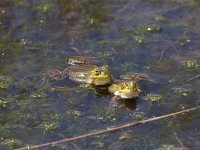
x=190, y=64
x=5, y=82
x=153, y=98
x=138, y=116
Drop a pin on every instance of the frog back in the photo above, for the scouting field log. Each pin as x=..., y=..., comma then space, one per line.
x=80, y=73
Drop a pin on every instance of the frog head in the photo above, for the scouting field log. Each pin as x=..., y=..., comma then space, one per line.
x=125, y=89
x=100, y=75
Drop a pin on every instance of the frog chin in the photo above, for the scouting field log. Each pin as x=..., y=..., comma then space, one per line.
x=89, y=81
x=101, y=81
x=127, y=94
x=96, y=81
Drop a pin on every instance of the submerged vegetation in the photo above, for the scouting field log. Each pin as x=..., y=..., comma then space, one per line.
x=159, y=38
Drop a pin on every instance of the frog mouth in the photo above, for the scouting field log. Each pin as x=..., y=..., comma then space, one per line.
x=129, y=91
x=101, y=76
x=126, y=91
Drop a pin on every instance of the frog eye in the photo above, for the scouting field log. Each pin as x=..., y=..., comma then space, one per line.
x=123, y=86
x=97, y=72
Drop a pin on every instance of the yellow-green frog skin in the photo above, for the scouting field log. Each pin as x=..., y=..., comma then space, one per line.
x=89, y=74
x=125, y=89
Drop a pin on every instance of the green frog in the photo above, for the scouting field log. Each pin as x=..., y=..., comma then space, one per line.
x=89, y=74
x=84, y=70
x=83, y=73
x=128, y=87
x=123, y=90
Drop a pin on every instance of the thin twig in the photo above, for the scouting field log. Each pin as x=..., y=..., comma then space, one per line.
x=193, y=78
x=110, y=129
x=75, y=146
x=76, y=49
x=179, y=141
x=161, y=54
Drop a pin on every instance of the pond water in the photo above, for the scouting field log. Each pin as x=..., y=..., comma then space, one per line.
x=159, y=38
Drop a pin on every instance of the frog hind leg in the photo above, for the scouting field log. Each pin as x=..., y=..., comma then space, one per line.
x=53, y=74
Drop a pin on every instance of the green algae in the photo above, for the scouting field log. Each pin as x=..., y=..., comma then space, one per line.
x=152, y=28
x=11, y=143
x=127, y=38
x=5, y=82
x=138, y=116
x=193, y=4
x=4, y=103
x=49, y=127
x=153, y=98
x=190, y=64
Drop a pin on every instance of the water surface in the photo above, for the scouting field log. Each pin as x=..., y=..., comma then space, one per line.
x=154, y=37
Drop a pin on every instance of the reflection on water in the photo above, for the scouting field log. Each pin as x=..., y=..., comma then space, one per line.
x=128, y=103
x=153, y=37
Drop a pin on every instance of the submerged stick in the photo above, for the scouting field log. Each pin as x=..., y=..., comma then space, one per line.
x=109, y=129
x=193, y=78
